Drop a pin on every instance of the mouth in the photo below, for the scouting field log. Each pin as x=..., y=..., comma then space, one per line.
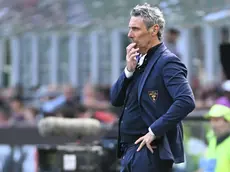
x=131, y=41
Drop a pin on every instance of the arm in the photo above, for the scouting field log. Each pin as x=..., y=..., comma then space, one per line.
x=53, y=104
x=174, y=75
x=118, y=90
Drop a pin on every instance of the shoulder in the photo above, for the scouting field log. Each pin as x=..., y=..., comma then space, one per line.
x=170, y=58
x=172, y=64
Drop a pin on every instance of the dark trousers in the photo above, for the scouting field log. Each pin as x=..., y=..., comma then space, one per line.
x=144, y=161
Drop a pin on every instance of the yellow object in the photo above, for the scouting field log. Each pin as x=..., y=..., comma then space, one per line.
x=217, y=157
x=219, y=111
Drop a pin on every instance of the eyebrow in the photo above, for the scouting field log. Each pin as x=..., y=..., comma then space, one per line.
x=134, y=27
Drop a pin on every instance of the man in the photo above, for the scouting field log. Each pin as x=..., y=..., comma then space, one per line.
x=156, y=96
x=217, y=157
x=171, y=38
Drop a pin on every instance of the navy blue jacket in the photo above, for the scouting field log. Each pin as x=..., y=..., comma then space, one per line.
x=165, y=97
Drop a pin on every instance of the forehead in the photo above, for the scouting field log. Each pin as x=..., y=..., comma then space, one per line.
x=136, y=22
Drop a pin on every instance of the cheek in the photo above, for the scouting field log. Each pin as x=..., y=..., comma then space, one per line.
x=214, y=124
x=143, y=41
x=147, y=38
x=218, y=125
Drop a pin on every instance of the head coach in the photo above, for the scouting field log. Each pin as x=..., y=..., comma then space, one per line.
x=155, y=94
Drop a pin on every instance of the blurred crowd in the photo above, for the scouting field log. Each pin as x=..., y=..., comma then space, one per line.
x=19, y=106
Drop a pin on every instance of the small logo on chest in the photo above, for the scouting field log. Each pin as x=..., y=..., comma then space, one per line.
x=153, y=95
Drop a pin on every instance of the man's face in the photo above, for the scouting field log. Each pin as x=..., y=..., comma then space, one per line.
x=172, y=37
x=220, y=126
x=138, y=32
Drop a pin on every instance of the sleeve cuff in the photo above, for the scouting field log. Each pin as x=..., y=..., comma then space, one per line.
x=150, y=131
x=127, y=73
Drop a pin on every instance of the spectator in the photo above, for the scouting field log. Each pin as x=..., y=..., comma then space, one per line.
x=57, y=100
x=80, y=111
x=226, y=97
x=17, y=109
x=94, y=98
x=217, y=157
x=71, y=98
x=171, y=38
x=4, y=117
x=66, y=112
x=31, y=114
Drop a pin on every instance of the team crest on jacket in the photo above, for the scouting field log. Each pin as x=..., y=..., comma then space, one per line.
x=153, y=95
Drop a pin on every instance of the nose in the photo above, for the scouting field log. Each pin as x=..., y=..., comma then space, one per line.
x=130, y=34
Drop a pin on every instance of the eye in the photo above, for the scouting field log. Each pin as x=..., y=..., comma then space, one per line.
x=135, y=29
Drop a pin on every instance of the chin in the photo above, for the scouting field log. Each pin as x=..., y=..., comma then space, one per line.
x=136, y=46
x=139, y=46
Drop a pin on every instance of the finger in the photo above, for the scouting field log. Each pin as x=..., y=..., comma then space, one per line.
x=149, y=147
x=139, y=140
x=133, y=57
x=141, y=145
x=130, y=46
x=133, y=51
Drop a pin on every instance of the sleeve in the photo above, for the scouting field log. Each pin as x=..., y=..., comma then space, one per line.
x=118, y=90
x=127, y=73
x=174, y=76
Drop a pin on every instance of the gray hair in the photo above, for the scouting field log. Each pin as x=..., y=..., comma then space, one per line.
x=151, y=16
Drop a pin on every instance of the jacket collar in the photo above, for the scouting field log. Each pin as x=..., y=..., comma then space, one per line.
x=149, y=67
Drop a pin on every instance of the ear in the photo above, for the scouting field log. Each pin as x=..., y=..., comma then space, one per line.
x=153, y=31
x=156, y=29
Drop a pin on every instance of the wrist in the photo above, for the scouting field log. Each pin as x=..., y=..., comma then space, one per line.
x=129, y=70
x=151, y=133
x=128, y=74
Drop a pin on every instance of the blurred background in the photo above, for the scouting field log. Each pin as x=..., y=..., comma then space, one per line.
x=60, y=58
